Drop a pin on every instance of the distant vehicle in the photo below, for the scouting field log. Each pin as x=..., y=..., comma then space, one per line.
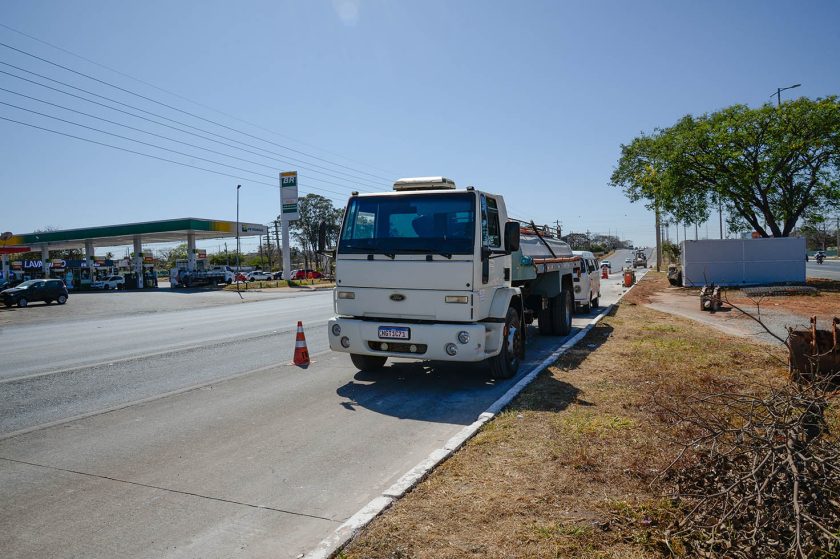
x=628, y=261
x=640, y=260
x=306, y=274
x=112, y=282
x=607, y=264
x=587, y=282
x=277, y=275
x=180, y=277
x=258, y=275
x=35, y=290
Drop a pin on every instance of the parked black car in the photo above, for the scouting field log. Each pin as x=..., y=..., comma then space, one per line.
x=35, y=290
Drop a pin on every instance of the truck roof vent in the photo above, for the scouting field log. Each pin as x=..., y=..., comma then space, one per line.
x=424, y=183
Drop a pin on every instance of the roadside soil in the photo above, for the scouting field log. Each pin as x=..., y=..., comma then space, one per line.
x=571, y=468
x=777, y=313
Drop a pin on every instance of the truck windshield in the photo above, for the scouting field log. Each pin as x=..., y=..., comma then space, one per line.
x=410, y=224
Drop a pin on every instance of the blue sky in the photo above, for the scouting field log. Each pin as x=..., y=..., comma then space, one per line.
x=529, y=99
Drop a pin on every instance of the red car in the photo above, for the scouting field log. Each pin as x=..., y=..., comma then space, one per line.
x=306, y=274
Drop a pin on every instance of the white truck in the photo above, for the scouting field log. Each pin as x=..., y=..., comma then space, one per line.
x=181, y=277
x=431, y=272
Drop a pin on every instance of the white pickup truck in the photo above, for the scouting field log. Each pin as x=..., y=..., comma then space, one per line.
x=435, y=273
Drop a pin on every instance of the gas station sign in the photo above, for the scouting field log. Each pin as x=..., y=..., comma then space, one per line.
x=289, y=196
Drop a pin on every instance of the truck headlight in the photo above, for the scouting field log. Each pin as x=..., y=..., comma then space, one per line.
x=464, y=337
x=346, y=295
x=345, y=342
x=463, y=299
x=451, y=349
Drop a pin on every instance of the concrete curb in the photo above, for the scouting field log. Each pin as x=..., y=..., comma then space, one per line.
x=342, y=535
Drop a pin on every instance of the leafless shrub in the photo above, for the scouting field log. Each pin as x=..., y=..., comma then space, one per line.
x=759, y=476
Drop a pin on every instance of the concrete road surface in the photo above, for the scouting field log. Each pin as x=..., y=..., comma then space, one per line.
x=192, y=436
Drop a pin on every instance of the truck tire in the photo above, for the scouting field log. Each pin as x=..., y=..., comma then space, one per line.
x=367, y=362
x=561, y=313
x=506, y=363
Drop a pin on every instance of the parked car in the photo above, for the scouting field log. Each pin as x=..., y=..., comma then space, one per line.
x=35, y=290
x=112, y=282
x=258, y=275
x=587, y=282
x=277, y=275
x=306, y=274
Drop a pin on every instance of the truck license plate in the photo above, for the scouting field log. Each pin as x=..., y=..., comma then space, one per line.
x=395, y=332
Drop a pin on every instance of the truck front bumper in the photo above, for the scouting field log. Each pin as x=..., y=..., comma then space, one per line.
x=443, y=342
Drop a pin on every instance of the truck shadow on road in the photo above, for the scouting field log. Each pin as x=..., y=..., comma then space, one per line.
x=458, y=393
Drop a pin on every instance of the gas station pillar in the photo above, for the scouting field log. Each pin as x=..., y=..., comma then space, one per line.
x=5, y=259
x=45, y=260
x=89, y=257
x=138, y=261
x=191, y=252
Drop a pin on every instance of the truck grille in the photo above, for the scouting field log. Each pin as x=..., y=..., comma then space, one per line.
x=399, y=347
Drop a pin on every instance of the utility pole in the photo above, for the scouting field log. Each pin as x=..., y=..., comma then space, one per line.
x=658, y=241
x=238, y=186
x=268, y=246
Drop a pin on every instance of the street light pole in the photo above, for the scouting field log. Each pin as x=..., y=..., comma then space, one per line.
x=779, y=93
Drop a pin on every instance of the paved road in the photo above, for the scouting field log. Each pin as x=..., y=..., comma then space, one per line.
x=829, y=269
x=213, y=445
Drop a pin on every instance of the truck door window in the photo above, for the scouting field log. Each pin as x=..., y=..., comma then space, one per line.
x=490, y=230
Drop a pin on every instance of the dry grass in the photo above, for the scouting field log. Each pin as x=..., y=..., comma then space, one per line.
x=569, y=470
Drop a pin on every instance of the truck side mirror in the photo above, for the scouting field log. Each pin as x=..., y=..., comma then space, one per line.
x=322, y=236
x=511, y=237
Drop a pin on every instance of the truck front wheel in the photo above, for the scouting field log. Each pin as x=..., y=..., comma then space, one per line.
x=367, y=362
x=506, y=363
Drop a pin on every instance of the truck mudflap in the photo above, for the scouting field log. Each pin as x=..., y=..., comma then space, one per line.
x=467, y=342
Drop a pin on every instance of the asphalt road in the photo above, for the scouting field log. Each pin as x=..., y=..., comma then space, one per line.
x=188, y=434
x=829, y=269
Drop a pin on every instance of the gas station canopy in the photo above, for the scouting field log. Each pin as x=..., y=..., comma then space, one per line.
x=166, y=231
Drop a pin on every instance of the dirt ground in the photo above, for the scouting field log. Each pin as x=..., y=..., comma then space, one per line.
x=571, y=468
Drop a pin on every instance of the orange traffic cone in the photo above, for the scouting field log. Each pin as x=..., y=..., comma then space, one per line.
x=301, y=353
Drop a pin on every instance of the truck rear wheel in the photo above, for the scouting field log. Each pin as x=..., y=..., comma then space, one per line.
x=367, y=362
x=561, y=313
x=506, y=363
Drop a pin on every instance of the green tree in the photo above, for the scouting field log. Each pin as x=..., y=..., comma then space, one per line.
x=313, y=209
x=767, y=166
x=171, y=255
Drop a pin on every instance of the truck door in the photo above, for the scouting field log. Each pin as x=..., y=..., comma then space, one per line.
x=492, y=269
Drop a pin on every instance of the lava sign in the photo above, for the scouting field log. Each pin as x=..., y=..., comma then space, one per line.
x=289, y=196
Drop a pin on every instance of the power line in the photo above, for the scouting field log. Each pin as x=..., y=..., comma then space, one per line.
x=192, y=156
x=131, y=128
x=248, y=180
x=150, y=99
x=278, y=157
